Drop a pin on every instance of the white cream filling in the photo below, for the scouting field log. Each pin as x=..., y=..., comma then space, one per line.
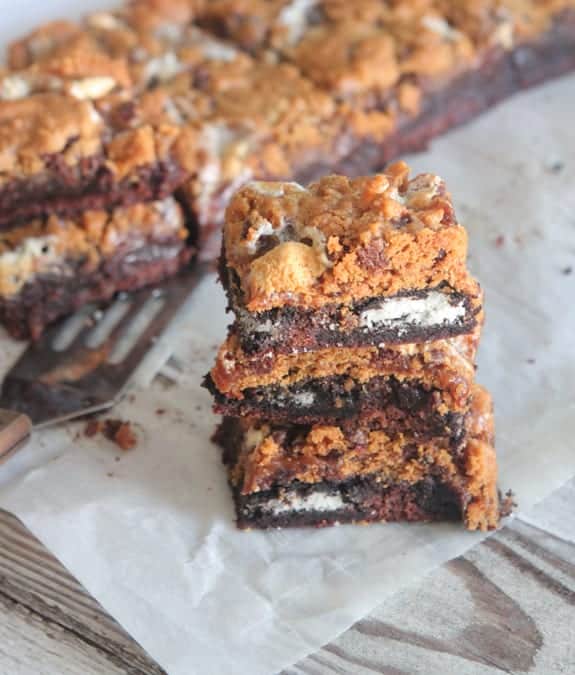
x=432, y=310
x=170, y=32
x=273, y=188
x=440, y=26
x=92, y=87
x=104, y=21
x=14, y=87
x=316, y=501
x=304, y=399
x=163, y=67
x=32, y=257
x=254, y=437
x=294, y=17
x=504, y=35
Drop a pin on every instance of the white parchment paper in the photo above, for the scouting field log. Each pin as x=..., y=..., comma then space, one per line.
x=150, y=532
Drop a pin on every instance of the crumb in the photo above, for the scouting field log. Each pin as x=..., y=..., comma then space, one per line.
x=120, y=433
x=556, y=167
x=567, y=270
x=110, y=474
x=499, y=241
x=507, y=504
x=160, y=411
x=531, y=361
x=92, y=428
x=117, y=431
x=198, y=408
x=117, y=459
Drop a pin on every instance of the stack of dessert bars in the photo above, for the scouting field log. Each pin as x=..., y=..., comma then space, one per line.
x=347, y=379
x=123, y=136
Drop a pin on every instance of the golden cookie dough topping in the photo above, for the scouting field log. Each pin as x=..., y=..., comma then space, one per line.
x=343, y=238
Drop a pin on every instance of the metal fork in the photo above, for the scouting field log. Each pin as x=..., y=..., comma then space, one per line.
x=83, y=364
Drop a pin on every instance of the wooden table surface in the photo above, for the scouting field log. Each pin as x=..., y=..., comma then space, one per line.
x=508, y=606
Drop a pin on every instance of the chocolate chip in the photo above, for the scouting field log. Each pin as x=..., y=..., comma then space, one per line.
x=372, y=256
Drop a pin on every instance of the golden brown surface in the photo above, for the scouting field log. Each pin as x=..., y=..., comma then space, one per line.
x=324, y=453
x=78, y=67
x=326, y=74
x=380, y=55
x=44, y=246
x=404, y=37
x=342, y=240
x=447, y=365
x=43, y=125
x=132, y=48
x=34, y=128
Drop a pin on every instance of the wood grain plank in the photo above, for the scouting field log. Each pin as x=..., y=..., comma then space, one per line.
x=34, y=584
x=505, y=607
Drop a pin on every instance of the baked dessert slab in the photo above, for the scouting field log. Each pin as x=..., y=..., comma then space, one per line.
x=424, y=389
x=322, y=475
x=59, y=155
x=347, y=262
x=52, y=266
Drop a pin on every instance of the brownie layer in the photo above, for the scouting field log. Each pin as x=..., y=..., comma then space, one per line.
x=399, y=407
x=412, y=316
x=88, y=186
x=361, y=500
x=47, y=298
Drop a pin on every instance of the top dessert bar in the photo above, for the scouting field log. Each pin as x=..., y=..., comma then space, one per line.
x=347, y=262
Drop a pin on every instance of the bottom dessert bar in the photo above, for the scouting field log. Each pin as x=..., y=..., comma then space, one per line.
x=290, y=476
x=51, y=267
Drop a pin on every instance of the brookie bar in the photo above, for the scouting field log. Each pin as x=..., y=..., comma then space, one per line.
x=426, y=383
x=51, y=266
x=320, y=475
x=347, y=262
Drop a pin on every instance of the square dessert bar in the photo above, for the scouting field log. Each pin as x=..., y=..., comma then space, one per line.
x=58, y=154
x=51, y=266
x=347, y=262
x=423, y=389
x=326, y=474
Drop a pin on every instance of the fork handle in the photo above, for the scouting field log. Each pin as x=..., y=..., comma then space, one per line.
x=15, y=430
